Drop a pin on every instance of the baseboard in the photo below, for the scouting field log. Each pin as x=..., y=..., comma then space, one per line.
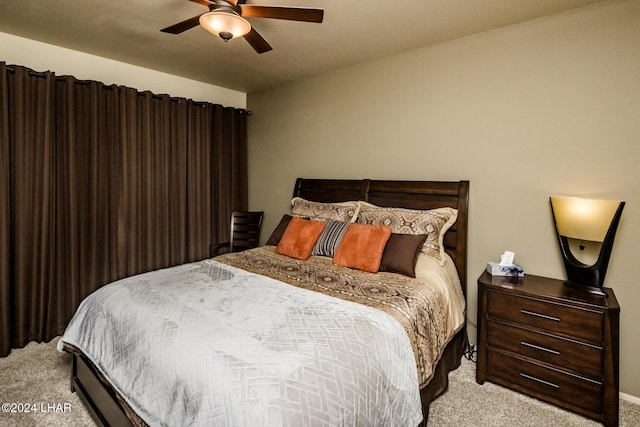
x=629, y=398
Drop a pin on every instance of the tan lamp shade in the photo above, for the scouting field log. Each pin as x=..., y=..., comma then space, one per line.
x=225, y=24
x=583, y=219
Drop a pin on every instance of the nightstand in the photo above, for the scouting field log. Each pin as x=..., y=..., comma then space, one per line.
x=550, y=341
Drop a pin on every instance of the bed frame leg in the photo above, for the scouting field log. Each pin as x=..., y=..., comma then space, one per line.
x=73, y=372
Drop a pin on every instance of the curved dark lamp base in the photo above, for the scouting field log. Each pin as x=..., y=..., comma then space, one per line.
x=589, y=277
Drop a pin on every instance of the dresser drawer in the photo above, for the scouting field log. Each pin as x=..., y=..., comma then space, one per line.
x=556, y=318
x=545, y=383
x=580, y=358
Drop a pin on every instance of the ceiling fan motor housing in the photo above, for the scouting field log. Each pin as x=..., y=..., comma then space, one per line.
x=223, y=5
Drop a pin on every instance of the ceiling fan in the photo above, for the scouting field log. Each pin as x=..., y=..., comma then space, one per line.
x=226, y=18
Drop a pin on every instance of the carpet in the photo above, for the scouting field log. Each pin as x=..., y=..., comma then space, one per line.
x=36, y=379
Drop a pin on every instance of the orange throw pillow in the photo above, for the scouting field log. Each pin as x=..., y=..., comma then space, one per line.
x=362, y=247
x=299, y=238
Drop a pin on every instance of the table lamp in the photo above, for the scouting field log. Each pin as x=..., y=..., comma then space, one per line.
x=586, y=220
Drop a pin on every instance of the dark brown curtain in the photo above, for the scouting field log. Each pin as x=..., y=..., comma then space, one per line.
x=102, y=182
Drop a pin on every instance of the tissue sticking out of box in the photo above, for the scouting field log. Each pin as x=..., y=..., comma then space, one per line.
x=507, y=258
x=506, y=266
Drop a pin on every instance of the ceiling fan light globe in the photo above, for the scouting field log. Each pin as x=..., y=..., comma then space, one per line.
x=224, y=24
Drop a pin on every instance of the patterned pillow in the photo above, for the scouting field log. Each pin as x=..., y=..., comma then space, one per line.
x=344, y=211
x=330, y=238
x=434, y=223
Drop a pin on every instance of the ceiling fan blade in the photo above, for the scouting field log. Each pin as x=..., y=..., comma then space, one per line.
x=256, y=41
x=185, y=25
x=277, y=12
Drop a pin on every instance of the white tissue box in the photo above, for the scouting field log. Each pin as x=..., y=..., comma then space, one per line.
x=514, y=270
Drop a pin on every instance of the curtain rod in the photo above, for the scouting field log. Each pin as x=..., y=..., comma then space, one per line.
x=43, y=74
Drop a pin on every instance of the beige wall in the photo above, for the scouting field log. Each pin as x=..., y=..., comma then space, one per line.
x=41, y=57
x=548, y=107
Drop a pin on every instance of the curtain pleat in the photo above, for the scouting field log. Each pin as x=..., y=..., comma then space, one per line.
x=6, y=283
x=178, y=231
x=199, y=211
x=229, y=155
x=32, y=202
x=102, y=182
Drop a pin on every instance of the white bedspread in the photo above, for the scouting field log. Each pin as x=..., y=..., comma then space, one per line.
x=212, y=345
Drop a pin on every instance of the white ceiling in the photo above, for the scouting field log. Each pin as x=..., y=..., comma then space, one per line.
x=353, y=31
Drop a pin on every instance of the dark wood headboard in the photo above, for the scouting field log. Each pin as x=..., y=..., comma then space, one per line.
x=402, y=194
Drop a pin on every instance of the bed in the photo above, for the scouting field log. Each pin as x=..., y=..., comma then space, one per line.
x=109, y=404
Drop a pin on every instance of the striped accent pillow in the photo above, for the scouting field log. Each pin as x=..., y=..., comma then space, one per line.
x=330, y=238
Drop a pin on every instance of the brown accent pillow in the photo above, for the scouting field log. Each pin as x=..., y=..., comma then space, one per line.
x=279, y=230
x=401, y=253
x=362, y=247
x=299, y=237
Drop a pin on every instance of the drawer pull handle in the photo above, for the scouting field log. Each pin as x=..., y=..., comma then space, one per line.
x=529, y=377
x=537, y=347
x=544, y=316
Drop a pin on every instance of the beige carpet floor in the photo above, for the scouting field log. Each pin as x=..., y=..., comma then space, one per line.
x=37, y=377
